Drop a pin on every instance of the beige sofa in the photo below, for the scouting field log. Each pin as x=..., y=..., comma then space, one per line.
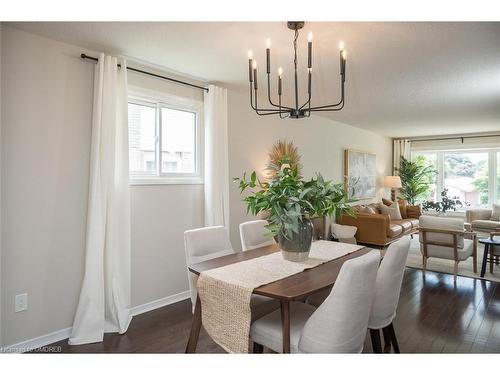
x=480, y=220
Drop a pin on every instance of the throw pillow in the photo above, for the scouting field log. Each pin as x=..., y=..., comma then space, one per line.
x=413, y=212
x=495, y=215
x=402, y=208
x=387, y=202
x=366, y=210
x=392, y=211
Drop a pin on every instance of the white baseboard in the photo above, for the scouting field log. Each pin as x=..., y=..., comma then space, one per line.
x=63, y=334
x=153, y=305
x=37, y=342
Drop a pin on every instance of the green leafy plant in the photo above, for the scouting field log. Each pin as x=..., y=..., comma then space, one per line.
x=288, y=199
x=417, y=177
x=446, y=203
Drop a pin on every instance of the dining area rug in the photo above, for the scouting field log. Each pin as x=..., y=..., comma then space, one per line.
x=446, y=266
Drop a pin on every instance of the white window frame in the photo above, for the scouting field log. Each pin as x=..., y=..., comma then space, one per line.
x=160, y=100
x=492, y=167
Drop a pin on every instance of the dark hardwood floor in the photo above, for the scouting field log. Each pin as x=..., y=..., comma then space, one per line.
x=435, y=315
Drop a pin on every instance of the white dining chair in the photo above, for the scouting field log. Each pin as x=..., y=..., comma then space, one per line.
x=207, y=243
x=337, y=326
x=254, y=234
x=387, y=289
x=202, y=244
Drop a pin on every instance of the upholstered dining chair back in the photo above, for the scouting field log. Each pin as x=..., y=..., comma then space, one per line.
x=203, y=244
x=339, y=324
x=445, y=223
x=254, y=234
x=388, y=284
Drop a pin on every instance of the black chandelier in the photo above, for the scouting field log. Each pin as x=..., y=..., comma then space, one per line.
x=297, y=111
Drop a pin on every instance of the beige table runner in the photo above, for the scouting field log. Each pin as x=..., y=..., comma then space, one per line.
x=225, y=292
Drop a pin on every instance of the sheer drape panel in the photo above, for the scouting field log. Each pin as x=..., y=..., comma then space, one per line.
x=104, y=304
x=216, y=158
x=401, y=147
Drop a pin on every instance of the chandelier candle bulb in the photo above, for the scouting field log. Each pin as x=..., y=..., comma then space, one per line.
x=309, y=50
x=268, y=60
x=341, y=45
x=250, y=65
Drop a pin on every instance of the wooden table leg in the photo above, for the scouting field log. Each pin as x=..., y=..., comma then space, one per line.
x=485, y=255
x=195, y=328
x=285, y=324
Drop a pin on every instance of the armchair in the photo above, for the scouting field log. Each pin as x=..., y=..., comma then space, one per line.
x=444, y=238
x=481, y=220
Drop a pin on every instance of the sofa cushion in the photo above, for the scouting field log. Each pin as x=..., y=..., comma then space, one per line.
x=392, y=211
x=486, y=224
x=366, y=210
x=405, y=225
x=495, y=214
x=394, y=230
x=413, y=212
x=414, y=223
x=375, y=207
x=402, y=208
x=448, y=252
x=387, y=202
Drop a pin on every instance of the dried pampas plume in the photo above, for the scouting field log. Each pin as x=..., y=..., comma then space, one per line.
x=283, y=152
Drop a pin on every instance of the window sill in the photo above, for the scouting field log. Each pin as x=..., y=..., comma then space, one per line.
x=166, y=181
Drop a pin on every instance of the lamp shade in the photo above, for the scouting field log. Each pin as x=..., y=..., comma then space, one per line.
x=393, y=182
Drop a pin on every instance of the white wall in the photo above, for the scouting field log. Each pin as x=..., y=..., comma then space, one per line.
x=0, y=183
x=320, y=141
x=160, y=215
x=45, y=165
x=47, y=106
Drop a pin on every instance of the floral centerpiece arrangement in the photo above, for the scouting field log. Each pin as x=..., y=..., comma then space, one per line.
x=290, y=203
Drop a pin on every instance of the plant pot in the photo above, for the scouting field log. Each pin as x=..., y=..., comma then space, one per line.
x=296, y=248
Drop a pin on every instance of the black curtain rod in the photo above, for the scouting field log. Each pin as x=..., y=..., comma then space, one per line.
x=452, y=138
x=84, y=56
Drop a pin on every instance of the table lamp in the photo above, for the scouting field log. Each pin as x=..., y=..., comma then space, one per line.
x=393, y=182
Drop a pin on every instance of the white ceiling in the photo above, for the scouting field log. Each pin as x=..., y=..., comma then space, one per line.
x=403, y=79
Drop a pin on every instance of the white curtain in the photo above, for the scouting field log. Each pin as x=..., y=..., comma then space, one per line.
x=216, y=157
x=104, y=304
x=401, y=147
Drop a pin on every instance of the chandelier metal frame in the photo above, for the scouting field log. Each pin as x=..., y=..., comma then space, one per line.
x=297, y=111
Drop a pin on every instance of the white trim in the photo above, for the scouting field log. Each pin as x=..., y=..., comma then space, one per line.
x=37, y=342
x=153, y=305
x=63, y=334
x=166, y=181
x=160, y=100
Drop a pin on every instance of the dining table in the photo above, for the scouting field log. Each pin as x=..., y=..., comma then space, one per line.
x=293, y=288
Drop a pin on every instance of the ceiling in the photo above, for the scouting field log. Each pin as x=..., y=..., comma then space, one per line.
x=403, y=79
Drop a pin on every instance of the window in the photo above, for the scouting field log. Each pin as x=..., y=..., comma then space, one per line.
x=466, y=177
x=497, y=198
x=471, y=175
x=164, y=140
x=428, y=158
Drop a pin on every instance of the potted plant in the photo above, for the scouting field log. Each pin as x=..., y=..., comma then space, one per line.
x=291, y=203
x=446, y=203
x=416, y=178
